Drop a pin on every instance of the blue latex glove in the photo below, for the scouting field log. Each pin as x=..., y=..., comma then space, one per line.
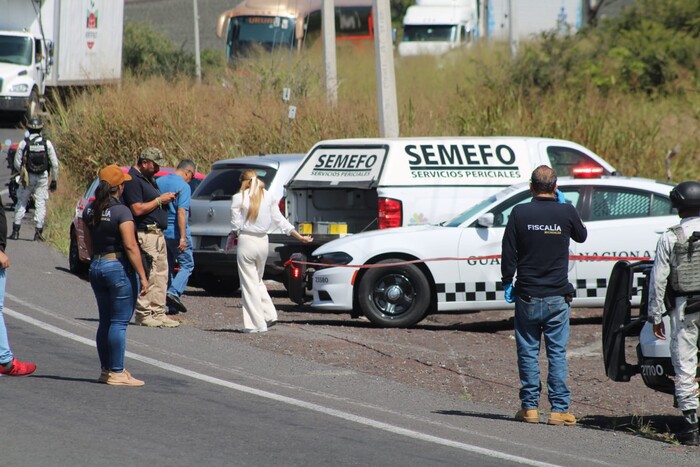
x=560, y=197
x=509, y=293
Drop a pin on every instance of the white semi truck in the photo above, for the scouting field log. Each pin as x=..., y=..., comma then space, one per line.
x=47, y=43
x=433, y=27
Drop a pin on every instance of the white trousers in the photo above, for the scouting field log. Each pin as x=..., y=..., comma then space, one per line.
x=39, y=186
x=684, y=354
x=256, y=303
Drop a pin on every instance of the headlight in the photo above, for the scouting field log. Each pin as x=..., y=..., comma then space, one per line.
x=19, y=88
x=333, y=258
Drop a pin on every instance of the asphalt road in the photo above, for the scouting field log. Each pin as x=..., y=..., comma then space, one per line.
x=211, y=400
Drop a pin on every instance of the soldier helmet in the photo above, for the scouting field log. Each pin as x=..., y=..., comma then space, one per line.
x=35, y=123
x=686, y=195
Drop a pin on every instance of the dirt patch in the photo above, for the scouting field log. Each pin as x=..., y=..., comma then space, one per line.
x=470, y=355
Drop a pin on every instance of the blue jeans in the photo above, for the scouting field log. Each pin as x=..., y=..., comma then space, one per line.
x=5, y=352
x=116, y=287
x=178, y=282
x=547, y=316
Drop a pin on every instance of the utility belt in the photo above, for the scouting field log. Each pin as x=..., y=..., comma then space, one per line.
x=528, y=298
x=113, y=255
x=150, y=228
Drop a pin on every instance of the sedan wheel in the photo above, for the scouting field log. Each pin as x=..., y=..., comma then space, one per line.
x=394, y=296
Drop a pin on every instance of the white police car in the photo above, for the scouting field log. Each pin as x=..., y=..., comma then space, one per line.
x=409, y=272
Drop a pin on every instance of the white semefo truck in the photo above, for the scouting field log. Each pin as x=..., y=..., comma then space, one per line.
x=433, y=27
x=46, y=43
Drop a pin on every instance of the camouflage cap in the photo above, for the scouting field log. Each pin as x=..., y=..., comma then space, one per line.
x=152, y=154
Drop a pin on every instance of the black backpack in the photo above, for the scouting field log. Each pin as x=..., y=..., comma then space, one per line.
x=36, y=156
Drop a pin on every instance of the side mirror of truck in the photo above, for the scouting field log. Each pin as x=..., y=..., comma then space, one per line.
x=486, y=220
x=49, y=52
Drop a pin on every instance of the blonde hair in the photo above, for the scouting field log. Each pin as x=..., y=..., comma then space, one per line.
x=253, y=186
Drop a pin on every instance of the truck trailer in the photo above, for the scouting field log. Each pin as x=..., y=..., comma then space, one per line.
x=518, y=20
x=49, y=43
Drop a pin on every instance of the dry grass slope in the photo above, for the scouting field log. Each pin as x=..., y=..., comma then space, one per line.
x=239, y=112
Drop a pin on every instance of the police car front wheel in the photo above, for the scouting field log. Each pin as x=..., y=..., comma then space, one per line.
x=394, y=296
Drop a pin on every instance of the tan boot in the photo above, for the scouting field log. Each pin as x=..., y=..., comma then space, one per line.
x=123, y=378
x=561, y=418
x=528, y=416
x=167, y=322
x=148, y=321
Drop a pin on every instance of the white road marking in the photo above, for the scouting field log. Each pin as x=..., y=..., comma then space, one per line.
x=289, y=400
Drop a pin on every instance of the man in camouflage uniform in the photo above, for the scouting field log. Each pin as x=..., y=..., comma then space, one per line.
x=34, y=158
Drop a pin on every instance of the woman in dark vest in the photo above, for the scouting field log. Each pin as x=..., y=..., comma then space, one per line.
x=116, y=261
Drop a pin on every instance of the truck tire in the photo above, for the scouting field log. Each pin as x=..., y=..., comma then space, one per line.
x=75, y=266
x=394, y=296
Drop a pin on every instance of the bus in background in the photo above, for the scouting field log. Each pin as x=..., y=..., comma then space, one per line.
x=290, y=24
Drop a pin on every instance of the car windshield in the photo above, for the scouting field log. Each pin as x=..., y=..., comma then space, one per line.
x=459, y=220
x=223, y=182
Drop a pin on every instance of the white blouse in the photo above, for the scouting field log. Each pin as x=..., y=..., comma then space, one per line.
x=269, y=215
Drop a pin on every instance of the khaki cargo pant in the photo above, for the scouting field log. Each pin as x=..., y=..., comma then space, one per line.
x=153, y=302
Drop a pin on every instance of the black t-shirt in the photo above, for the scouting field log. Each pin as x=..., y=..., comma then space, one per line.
x=141, y=190
x=106, y=237
x=536, y=243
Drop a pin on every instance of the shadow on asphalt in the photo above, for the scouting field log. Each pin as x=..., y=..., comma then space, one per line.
x=656, y=427
x=63, y=378
x=466, y=413
x=480, y=326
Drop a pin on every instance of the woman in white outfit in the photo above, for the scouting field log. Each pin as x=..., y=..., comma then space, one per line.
x=254, y=212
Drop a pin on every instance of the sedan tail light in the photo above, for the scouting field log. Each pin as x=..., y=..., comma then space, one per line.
x=390, y=213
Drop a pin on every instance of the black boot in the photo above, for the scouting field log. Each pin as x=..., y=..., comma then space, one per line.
x=688, y=435
x=15, y=232
x=38, y=234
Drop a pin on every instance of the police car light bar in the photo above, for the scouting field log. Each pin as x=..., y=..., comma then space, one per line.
x=587, y=171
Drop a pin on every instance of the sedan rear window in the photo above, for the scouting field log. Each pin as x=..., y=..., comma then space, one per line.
x=224, y=182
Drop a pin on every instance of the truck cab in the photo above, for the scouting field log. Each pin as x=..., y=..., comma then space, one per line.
x=24, y=64
x=434, y=29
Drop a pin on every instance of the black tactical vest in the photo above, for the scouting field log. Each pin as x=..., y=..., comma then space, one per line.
x=36, y=155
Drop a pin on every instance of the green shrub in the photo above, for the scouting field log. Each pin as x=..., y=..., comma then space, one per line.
x=147, y=52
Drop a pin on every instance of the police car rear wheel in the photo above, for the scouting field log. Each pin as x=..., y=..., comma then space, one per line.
x=394, y=296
